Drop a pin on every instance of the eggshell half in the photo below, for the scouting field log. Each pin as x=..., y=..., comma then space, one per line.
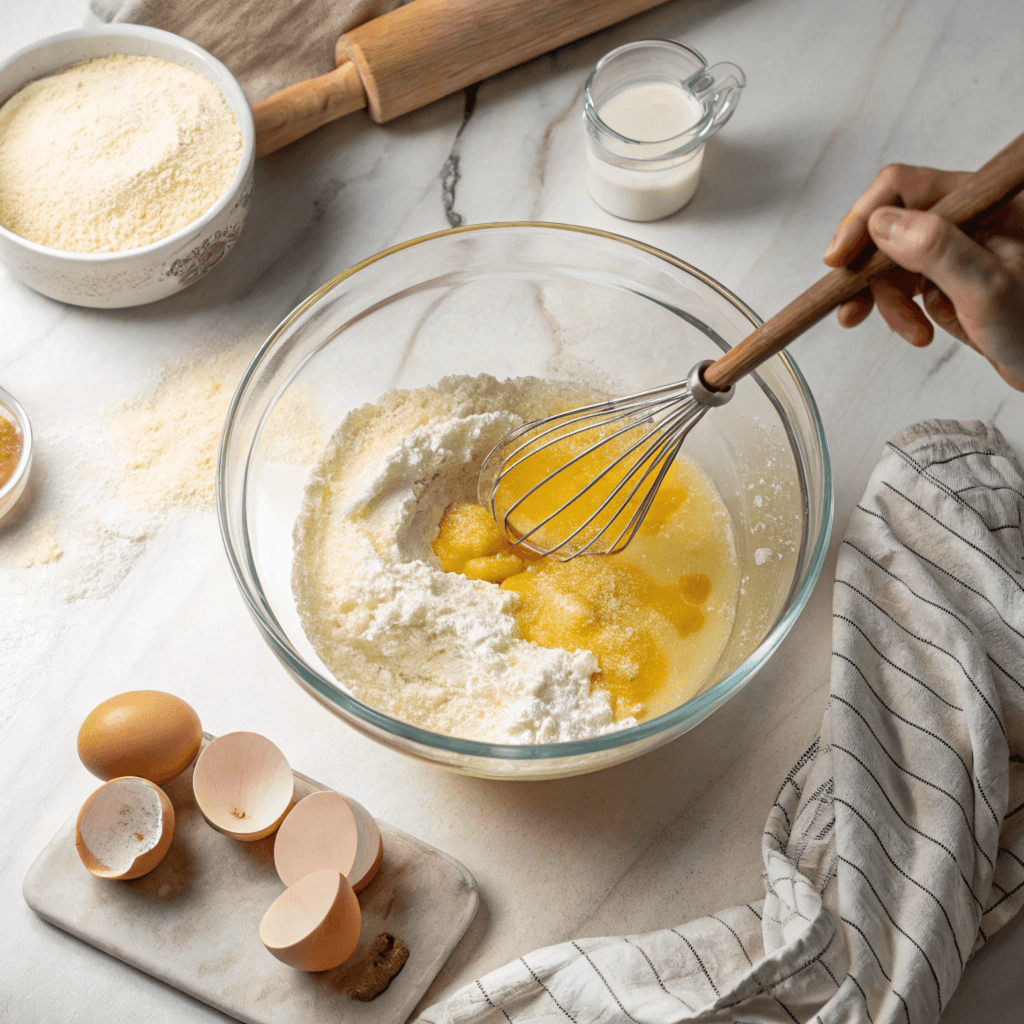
x=124, y=829
x=314, y=924
x=243, y=785
x=371, y=848
x=328, y=830
x=145, y=733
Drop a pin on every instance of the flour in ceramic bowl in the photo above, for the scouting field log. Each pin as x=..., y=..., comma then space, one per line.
x=428, y=647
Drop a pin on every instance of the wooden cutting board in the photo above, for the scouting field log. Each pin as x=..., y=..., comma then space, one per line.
x=193, y=921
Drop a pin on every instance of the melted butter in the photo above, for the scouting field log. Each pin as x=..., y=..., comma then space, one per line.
x=657, y=615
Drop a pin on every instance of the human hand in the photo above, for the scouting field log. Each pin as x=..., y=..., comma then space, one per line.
x=973, y=288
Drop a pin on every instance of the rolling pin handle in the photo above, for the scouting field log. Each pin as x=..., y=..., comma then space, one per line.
x=289, y=114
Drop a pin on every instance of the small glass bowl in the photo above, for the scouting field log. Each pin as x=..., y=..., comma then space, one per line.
x=12, y=411
x=555, y=301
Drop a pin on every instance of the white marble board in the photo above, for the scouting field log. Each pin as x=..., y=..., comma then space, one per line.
x=193, y=921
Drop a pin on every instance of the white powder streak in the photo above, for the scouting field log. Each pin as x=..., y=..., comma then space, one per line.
x=102, y=488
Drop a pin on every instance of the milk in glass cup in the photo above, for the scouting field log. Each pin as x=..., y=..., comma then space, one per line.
x=648, y=109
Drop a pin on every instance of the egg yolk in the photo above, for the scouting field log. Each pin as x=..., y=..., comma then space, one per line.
x=646, y=614
x=469, y=541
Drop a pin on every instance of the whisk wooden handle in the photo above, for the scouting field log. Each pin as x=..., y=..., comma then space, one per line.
x=989, y=187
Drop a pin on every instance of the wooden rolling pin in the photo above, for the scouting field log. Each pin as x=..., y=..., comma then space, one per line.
x=425, y=50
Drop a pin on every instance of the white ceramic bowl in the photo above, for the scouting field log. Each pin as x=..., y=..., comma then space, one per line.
x=110, y=280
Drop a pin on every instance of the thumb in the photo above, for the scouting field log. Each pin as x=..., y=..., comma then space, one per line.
x=974, y=279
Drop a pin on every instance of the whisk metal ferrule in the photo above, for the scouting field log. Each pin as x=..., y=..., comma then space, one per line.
x=701, y=392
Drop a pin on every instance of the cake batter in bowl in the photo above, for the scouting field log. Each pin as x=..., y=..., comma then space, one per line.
x=578, y=307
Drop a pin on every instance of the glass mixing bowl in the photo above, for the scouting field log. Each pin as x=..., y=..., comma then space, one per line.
x=553, y=301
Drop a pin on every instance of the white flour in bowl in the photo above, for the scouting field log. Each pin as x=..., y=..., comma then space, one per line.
x=428, y=647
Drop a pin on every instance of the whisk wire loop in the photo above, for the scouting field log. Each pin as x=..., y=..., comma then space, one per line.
x=665, y=415
x=670, y=443
x=508, y=465
x=638, y=399
x=659, y=444
x=629, y=531
x=560, y=422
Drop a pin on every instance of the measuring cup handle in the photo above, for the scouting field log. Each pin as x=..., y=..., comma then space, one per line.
x=723, y=83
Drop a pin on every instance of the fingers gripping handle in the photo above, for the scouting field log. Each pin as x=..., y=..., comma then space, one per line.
x=989, y=187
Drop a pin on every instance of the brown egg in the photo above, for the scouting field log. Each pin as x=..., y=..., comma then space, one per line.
x=243, y=785
x=124, y=829
x=329, y=830
x=314, y=924
x=145, y=733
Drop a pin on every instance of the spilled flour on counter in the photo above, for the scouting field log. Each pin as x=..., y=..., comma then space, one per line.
x=41, y=549
x=114, y=485
x=102, y=490
x=104, y=486
x=428, y=647
x=168, y=438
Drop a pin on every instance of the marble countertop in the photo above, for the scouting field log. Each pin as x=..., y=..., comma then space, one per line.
x=835, y=91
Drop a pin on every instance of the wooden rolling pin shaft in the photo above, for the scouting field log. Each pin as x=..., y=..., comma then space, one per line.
x=425, y=50
x=988, y=188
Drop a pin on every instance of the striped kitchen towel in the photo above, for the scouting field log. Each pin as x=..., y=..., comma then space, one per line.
x=896, y=845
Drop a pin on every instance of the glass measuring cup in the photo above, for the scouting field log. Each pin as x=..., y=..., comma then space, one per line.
x=643, y=178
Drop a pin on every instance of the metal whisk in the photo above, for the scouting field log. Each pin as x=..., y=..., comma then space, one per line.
x=662, y=417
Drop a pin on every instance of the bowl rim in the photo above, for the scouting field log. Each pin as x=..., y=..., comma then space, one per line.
x=693, y=711
x=230, y=84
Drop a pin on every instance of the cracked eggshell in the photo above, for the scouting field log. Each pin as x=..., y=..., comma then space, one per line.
x=243, y=785
x=314, y=924
x=329, y=830
x=124, y=829
x=145, y=733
